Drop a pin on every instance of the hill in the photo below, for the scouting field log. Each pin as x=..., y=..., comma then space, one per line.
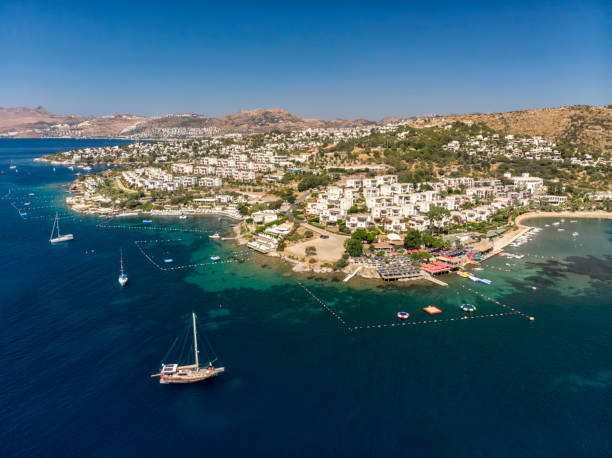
x=587, y=125
x=37, y=122
x=579, y=124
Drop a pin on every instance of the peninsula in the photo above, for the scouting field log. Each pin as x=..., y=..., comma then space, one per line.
x=395, y=200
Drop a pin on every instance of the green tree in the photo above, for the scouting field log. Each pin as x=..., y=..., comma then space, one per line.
x=413, y=239
x=243, y=209
x=437, y=214
x=353, y=247
x=363, y=236
x=432, y=242
x=310, y=180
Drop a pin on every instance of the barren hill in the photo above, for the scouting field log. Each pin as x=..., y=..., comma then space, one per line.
x=578, y=124
x=27, y=122
x=588, y=125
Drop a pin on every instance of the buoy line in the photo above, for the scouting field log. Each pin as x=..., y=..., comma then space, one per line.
x=435, y=321
x=27, y=209
x=153, y=228
x=404, y=323
x=327, y=308
x=539, y=256
x=52, y=217
x=185, y=266
x=499, y=268
x=495, y=301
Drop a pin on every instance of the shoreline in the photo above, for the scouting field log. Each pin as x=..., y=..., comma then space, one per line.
x=511, y=235
x=590, y=214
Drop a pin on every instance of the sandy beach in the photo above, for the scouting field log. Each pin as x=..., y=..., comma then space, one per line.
x=513, y=234
x=564, y=214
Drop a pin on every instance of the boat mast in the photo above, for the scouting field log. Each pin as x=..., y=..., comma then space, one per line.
x=57, y=224
x=53, y=228
x=121, y=254
x=195, y=341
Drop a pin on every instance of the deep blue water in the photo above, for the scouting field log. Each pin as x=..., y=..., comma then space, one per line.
x=78, y=350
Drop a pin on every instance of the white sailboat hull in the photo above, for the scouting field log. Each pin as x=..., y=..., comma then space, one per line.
x=122, y=280
x=62, y=238
x=191, y=375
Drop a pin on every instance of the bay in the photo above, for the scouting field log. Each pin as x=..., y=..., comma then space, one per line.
x=78, y=350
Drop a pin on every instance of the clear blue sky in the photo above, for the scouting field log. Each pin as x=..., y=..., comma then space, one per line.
x=315, y=59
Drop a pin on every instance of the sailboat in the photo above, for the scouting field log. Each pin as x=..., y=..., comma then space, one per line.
x=191, y=373
x=123, y=278
x=59, y=238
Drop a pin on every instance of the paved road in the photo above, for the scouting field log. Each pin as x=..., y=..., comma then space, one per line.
x=318, y=230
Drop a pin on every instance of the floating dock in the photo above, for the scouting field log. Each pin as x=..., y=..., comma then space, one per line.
x=432, y=310
x=473, y=277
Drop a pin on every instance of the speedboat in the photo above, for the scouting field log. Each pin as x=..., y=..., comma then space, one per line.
x=215, y=258
x=123, y=278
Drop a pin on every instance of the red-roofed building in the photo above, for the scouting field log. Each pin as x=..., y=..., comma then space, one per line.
x=437, y=268
x=453, y=261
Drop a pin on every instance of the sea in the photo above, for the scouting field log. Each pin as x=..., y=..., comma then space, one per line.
x=314, y=366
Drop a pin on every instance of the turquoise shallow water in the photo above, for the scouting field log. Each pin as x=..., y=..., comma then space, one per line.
x=77, y=350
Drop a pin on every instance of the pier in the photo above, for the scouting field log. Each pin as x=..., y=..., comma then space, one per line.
x=426, y=276
x=352, y=274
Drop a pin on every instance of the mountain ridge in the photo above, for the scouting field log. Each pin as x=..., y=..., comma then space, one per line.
x=578, y=124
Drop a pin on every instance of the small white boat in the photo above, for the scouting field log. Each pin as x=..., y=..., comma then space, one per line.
x=123, y=278
x=575, y=234
x=183, y=216
x=59, y=238
x=214, y=236
x=556, y=223
x=215, y=258
x=561, y=229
